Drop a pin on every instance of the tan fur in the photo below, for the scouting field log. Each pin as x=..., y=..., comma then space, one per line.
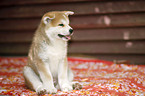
x=42, y=55
x=38, y=37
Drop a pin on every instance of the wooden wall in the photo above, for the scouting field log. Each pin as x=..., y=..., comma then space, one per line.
x=109, y=30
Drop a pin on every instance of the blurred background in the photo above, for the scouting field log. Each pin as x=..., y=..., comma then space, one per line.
x=104, y=29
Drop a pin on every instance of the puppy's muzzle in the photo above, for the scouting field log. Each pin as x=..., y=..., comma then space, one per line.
x=66, y=37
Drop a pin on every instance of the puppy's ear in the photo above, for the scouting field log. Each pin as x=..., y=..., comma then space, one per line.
x=47, y=19
x=68, y=13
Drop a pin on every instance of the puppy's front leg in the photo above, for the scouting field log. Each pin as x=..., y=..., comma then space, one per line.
x=64, y=83
x=46, y=77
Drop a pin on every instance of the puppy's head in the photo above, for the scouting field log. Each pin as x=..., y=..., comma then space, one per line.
x=56, y=25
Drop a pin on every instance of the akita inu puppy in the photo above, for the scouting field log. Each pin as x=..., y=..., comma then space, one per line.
x=47, y=69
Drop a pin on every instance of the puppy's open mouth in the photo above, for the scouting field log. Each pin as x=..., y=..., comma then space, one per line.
x=65, y=37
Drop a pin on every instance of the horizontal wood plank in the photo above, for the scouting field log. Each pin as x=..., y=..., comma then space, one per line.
x=106, y=21
x=133, y=59
x=30, y=2
x=80, y=22
x=86, y=8
x=80, y=35
x=119, y=47
x=16, y=36
x=12, y=48
x=123, y=47
x=19, y=24
x=109, y=34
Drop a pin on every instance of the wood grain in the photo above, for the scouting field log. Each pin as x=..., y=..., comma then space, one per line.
x=29, y=2
x=80, y=22
x=80, y=35
x=109, y=34
x=118, y=47
x=37, y=8
x=107, y=29
x=133, y=59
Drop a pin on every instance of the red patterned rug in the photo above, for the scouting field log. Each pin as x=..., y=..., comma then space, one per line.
x=98, y=77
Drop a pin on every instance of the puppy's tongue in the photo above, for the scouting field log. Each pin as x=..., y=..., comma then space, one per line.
x=68, y=37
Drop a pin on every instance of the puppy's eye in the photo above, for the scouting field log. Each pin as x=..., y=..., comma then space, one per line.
x=61, y=25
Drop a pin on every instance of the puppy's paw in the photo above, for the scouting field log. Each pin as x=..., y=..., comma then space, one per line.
x=77, y=86
x=41, y=91
x=66, y=87
x=51, y=90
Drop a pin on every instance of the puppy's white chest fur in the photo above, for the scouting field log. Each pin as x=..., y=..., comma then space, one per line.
x=57, y=49
x=53, y=54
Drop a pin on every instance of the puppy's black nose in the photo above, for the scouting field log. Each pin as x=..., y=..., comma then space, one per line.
x=71, y=31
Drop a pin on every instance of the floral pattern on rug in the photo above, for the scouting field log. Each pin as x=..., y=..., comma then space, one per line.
x=97, y=77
